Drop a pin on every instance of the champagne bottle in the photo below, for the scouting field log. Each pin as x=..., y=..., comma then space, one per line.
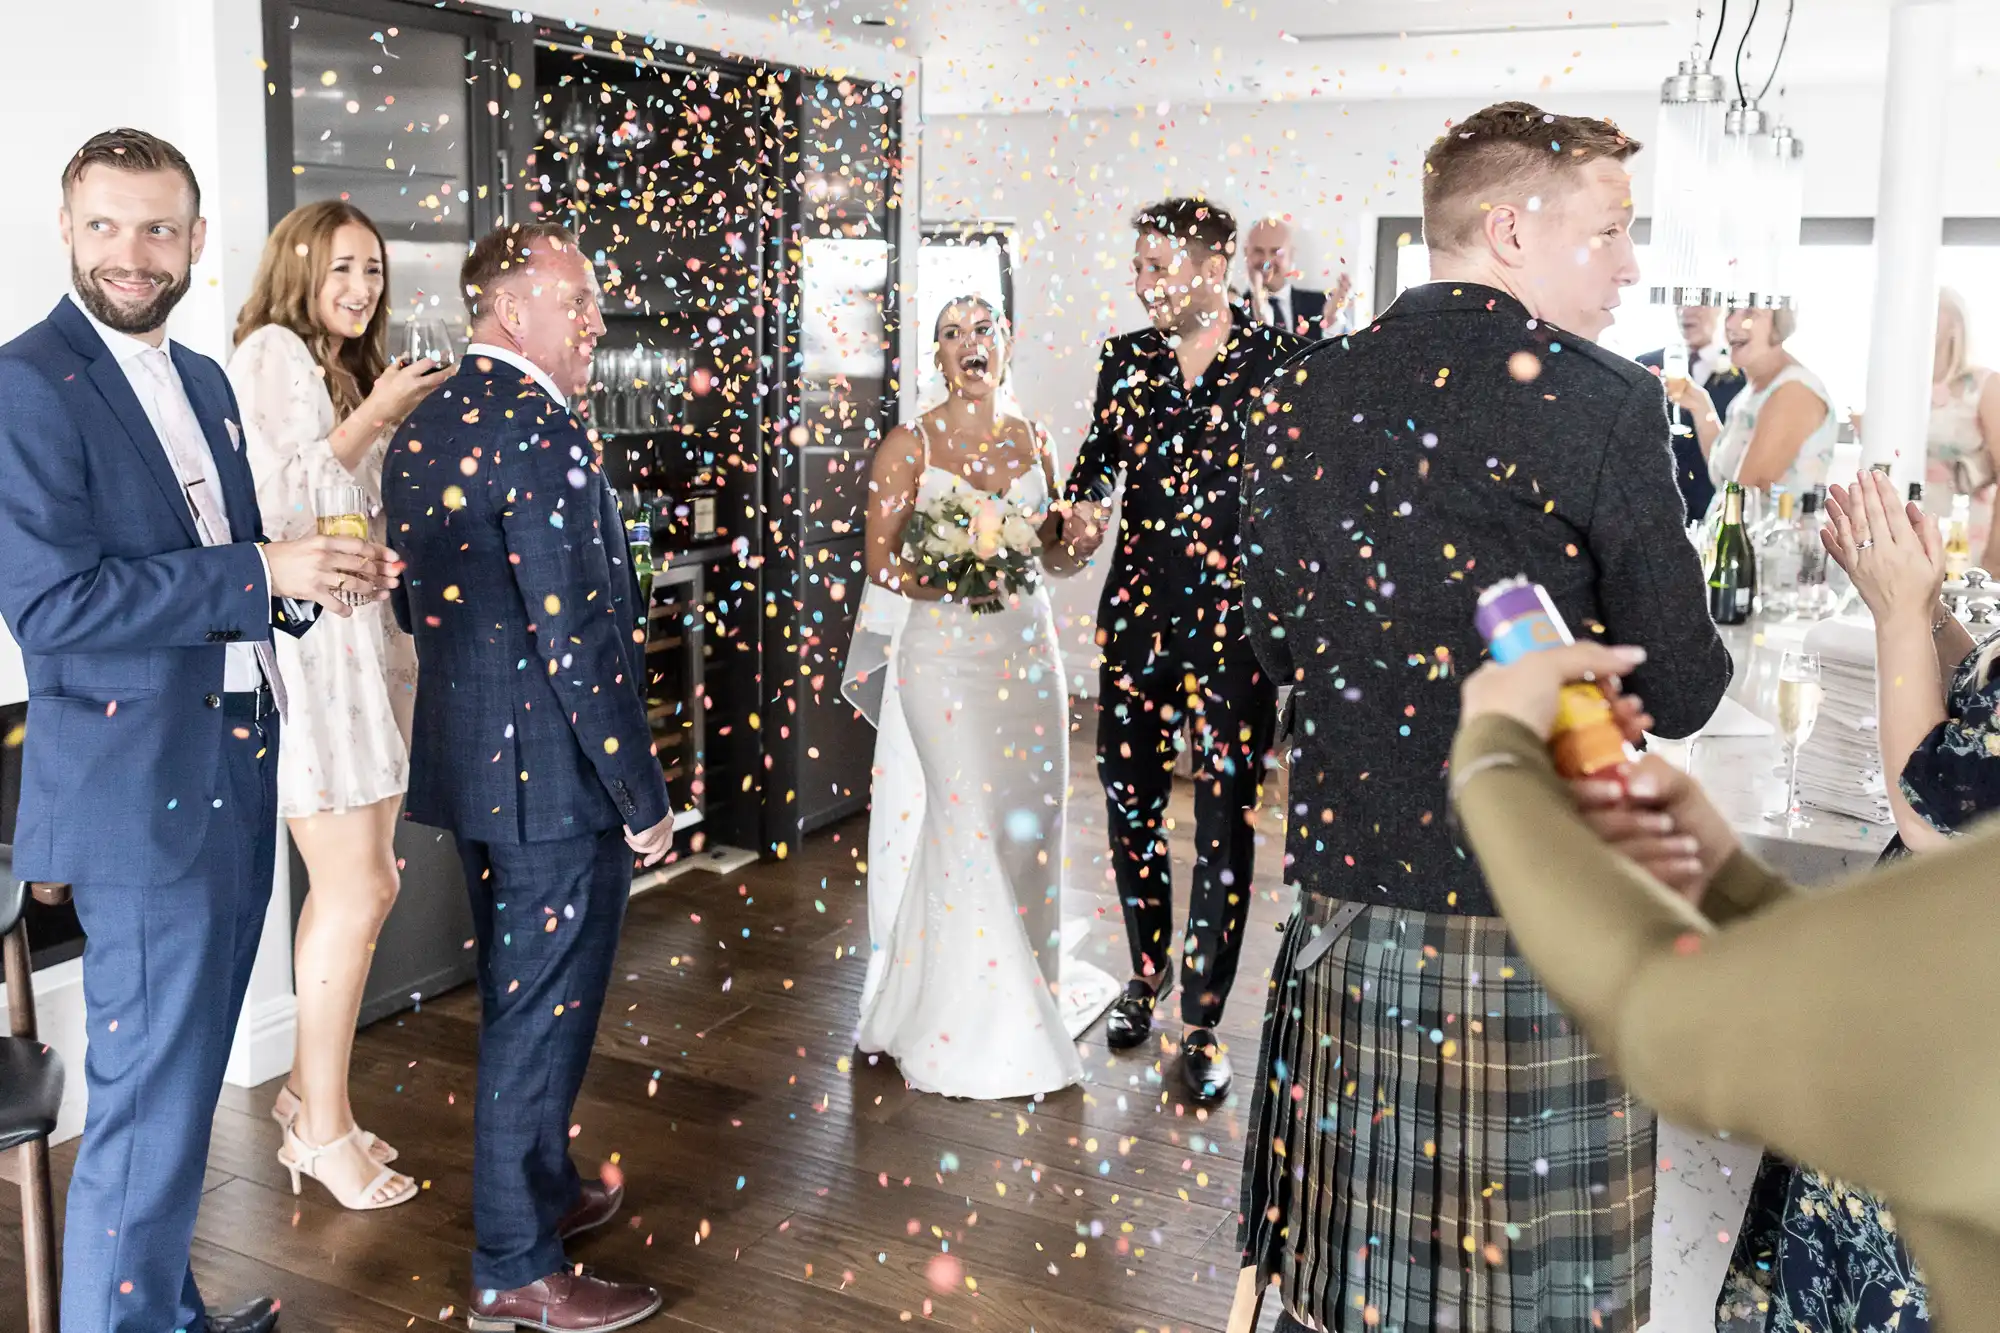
x=1958, y=538
x=639, y=542
x=1732, y=580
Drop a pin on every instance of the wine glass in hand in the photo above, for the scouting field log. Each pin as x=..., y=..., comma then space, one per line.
x=341, y=510
x=429, y=338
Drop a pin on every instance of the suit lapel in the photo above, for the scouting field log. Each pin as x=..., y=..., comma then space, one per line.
x=239, y=492
x=109, y=377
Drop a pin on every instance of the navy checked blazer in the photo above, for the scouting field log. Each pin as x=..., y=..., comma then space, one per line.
x=530, y=716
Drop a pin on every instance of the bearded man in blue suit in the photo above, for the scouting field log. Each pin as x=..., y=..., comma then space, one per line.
x=143, y=596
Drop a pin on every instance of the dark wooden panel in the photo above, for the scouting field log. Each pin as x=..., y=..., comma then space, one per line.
x=836, y=491
x=838, y=744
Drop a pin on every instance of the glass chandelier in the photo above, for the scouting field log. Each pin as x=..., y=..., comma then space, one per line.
x=1729, y=191
x=1690, y=264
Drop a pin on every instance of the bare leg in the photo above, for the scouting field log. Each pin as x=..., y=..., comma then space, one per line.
x=351, y=859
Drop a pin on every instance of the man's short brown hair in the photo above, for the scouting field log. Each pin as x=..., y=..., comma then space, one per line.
x=1196, y=223
x=503, y=250
x=129, y=150
x=1501, y=151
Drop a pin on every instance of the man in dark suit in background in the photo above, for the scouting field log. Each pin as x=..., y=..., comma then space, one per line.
x=1708, y=366
x=138, y=584
x=1172, y=401
x=531, y=745
x=1273, y=298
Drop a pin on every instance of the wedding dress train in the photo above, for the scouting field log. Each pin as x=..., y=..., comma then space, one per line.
x=965, y=843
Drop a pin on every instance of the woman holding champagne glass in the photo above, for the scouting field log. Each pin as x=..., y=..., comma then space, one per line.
x=320, y=400
x=1780, y=431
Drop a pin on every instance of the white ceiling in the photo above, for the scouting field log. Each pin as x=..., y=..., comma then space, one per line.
x=1020, y=55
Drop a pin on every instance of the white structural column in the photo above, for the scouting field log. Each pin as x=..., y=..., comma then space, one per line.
x=1908, y=221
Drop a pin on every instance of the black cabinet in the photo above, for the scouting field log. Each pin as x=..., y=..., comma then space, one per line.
x=743, y=218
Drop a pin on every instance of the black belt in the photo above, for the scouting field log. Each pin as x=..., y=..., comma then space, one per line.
x=1326, y=920
x=249, y=705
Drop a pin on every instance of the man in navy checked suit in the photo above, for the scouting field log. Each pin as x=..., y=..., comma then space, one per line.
x=531, y=744
x=135, y=576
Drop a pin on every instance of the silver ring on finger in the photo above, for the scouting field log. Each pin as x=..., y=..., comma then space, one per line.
x=1865, y=544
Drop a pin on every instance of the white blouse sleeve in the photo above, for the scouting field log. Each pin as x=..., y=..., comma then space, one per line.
x=287, y=417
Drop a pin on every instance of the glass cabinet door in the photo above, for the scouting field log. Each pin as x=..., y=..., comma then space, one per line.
x=384, y=116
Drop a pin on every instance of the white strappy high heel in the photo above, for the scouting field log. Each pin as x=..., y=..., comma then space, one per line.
x=286, y=1109
x=302, y=1159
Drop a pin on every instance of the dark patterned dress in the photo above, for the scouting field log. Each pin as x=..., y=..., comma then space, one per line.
x=1816, y=1254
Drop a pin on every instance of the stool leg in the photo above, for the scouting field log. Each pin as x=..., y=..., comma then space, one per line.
x=38, y=1236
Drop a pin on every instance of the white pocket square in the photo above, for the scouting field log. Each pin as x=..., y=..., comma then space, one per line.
x=235, y=435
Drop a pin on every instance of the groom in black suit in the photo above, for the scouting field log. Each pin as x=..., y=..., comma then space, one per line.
x=531, y=745
x=1172, y=404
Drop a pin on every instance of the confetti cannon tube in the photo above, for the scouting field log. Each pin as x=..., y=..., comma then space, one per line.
x=1516, y=618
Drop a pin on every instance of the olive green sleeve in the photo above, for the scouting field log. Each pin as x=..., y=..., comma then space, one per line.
x=1850, y=1028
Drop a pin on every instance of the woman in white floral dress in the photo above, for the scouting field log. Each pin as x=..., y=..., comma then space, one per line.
x=319, y=402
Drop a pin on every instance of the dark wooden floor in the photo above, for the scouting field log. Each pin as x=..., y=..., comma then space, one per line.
x=776, y=1179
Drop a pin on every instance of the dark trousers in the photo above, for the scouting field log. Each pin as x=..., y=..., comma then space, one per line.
x=546, y=916
x=165, y=968
x=1166, y=667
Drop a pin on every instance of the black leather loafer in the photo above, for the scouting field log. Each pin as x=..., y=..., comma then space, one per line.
x=259, y=1316
x=1131, y=1019
x=1204, y=1067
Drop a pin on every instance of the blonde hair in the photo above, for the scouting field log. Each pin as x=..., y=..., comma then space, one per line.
x=289, y=276
x=1952, y=305
x=1784, y=323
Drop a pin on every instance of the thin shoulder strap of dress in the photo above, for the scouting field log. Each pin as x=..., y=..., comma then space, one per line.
x=924, y=440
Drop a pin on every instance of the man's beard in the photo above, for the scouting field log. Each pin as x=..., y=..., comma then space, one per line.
x=143, y=320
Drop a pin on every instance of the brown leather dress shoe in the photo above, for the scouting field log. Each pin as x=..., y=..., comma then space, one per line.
x=596, y=1204
x=563, y=1302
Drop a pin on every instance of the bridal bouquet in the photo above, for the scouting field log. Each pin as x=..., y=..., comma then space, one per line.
x=977, y=547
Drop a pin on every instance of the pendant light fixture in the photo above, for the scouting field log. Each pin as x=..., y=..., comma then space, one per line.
x=1687, y=241
x=1728, y=187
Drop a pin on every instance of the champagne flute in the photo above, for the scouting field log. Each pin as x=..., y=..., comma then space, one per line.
x=1798, y=710
x=427, y=336
x=340, y=510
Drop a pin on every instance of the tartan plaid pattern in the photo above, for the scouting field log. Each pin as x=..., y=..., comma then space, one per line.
x=1432, y=1146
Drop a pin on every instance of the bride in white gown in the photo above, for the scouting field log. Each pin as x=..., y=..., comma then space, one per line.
x=971, y=771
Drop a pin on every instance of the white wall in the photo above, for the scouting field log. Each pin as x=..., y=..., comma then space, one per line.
x=1069, y=183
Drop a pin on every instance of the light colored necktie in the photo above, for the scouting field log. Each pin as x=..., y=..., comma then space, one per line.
x=187, y=447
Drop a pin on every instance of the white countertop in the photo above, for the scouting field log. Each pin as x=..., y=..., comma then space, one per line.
x=1742, y=773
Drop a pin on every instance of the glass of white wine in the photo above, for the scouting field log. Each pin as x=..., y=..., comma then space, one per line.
x=429, y=336
x=1798, y=710
x=341, y=510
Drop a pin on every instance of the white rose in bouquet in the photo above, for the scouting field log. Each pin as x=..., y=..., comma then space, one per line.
x=1018, y=531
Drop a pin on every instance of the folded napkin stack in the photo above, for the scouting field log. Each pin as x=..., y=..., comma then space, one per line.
x=1840, y=765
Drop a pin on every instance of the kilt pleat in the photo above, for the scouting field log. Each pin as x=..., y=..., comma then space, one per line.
x=1432, y=1146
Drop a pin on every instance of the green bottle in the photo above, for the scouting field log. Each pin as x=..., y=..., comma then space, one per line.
x=1732, y=577
x=639, y=542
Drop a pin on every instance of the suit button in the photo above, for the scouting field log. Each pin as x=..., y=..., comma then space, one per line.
x=212, y=700
x=214, y=636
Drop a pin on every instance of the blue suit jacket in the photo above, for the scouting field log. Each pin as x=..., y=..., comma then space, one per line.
x=122, y=615
x=530, y=715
